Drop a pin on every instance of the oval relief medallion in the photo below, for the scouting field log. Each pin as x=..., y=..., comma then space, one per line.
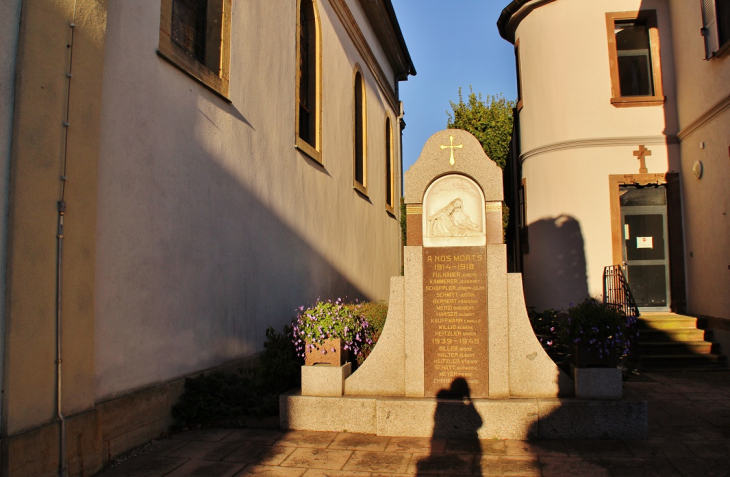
x=453, y=213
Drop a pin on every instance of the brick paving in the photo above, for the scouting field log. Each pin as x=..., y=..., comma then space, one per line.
x=689, y=435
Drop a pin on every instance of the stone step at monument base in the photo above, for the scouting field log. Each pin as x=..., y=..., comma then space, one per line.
x=517, y=418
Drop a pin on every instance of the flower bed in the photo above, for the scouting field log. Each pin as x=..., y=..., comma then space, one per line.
x=590, y=328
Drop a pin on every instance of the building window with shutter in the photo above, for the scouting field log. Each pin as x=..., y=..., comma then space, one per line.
x=195, y=37
x=308, y=85
x=716, y=27
x=633, y=50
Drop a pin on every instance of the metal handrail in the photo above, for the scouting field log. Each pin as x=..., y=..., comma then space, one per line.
x=616, y=291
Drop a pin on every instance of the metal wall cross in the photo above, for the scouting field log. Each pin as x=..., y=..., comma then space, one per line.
x=452, y=147
x=641, y=155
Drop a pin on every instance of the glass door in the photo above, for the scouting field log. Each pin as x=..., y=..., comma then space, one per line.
x=645, y=250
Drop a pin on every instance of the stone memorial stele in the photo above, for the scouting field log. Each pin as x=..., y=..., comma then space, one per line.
x=457, y=333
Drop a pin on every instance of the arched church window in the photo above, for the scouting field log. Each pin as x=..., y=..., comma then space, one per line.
x=360, y=120
x=308, y=80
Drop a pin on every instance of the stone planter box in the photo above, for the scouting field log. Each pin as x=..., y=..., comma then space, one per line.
x=324, y=354
x=598, y=383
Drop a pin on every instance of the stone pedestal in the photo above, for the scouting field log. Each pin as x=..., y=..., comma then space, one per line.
x=325, y=380
x=598, y=383
x=520, y=419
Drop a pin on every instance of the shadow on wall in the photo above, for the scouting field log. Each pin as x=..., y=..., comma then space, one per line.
x=192, y=265
x=555, y=268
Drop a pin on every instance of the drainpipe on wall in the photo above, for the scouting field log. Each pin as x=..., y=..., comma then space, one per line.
x=59, y=328
x=62, y=464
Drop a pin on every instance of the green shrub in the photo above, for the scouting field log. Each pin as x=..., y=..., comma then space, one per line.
x=549, y=327
x=602, y=327
x=375, y=314
x=220, y=399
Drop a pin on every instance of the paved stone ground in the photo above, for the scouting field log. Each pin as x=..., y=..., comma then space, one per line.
x=689, y=435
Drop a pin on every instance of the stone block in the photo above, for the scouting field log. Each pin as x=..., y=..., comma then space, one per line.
x=32, y=453
x=497, y=321
x=413, y=257
x=598, y=383
x=531, y=371
x=383, y=372
x=325, y=380
x=581, y=419
x=520, y=419
x=124, y=414
x=485, y=418
x=319, y=413
x=83, y=444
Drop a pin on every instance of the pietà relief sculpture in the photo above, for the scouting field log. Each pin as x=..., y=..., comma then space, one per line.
x=453, y=210
x=452, y=221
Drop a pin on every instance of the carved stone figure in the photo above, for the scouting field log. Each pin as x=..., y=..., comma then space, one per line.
x=452, y=221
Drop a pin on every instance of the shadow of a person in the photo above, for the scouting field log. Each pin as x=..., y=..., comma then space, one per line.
x=455, y=419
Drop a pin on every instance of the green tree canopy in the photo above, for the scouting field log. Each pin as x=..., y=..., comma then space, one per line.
x=489, y=120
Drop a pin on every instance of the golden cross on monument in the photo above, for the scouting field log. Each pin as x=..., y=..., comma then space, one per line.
x=641, y=155
x=452, y=147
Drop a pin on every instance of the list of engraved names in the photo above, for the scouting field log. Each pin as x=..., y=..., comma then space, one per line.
x=455, y=318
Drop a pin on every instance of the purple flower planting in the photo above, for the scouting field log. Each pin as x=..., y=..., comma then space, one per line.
x=330, y=319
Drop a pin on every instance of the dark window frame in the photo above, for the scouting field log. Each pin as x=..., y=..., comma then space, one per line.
x=308, y=121
x=389, y=168
x=649, y=18
x=208, y=61
x=715, y=27
x=360, y=163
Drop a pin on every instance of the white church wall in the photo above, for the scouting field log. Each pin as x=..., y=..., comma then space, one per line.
x=211, y=226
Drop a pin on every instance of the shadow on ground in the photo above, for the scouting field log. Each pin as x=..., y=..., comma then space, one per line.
x=689, y=435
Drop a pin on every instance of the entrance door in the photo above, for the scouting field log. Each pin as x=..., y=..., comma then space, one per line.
x=645, y=251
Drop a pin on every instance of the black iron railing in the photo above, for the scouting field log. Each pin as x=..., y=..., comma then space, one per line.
x=616, y=291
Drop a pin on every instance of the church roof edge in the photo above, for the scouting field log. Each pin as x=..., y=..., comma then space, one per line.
x=386, y=23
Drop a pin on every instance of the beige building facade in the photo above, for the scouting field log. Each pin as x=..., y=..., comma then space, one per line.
x=10, y=11
x=175, y=190
x=622, y=150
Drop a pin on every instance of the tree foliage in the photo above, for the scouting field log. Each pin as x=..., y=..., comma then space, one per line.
x=489, y=120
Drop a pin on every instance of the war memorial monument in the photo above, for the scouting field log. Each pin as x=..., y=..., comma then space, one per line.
x=458, y=355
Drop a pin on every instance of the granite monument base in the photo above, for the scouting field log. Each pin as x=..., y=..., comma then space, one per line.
x=520, y=419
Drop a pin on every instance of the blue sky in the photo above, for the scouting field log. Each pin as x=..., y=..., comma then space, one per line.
x=453, y=43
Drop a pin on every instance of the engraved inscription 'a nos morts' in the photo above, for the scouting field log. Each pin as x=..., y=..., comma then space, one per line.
x=455, y=318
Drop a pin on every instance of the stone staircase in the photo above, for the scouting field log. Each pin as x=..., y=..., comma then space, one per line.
x=668, y=340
